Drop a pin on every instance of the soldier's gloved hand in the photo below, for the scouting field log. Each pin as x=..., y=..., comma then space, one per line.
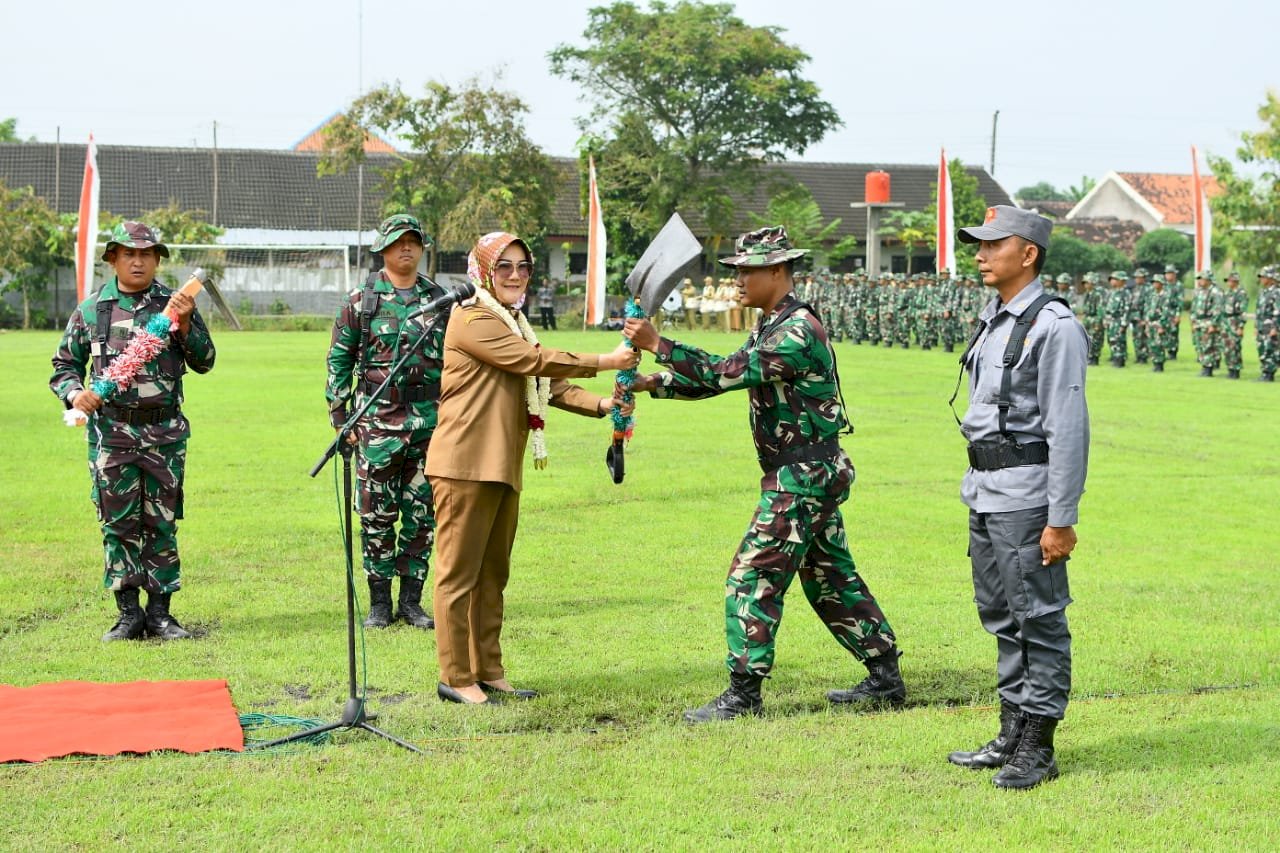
x=87, y=402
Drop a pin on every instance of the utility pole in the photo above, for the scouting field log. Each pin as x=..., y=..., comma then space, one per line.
x=215, y=173
x=994, y=119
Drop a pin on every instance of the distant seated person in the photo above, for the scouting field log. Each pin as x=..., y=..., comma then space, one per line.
x=614, y=323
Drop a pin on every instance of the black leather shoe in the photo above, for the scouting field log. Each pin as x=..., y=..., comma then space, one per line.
x=1032, y=762
x=997, y=751
x=742, y=697
x=507, y=694
x=448, y=694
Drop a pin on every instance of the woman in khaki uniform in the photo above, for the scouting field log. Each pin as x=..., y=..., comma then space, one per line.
x=495, y=390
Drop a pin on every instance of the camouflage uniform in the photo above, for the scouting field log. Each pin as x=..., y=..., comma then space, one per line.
x=1206, y=321
x=1117, y=317
x=136, y=470
x=1161, y=322
x=1138, y=309
x=1267, y=322
x=788, y=370
x=1234, y=303
x=396, y=431
x=1093, y=315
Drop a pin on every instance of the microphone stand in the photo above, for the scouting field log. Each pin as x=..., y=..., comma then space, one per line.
x=354, y=715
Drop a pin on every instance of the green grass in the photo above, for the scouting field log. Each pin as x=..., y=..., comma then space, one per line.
x=614, y=612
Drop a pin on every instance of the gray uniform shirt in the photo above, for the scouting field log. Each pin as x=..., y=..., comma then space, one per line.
x=1048, y=405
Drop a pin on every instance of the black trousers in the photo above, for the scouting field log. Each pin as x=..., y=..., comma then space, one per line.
x=1023, y=605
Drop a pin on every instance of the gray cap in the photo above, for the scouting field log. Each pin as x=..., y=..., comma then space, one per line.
x=1006, y=221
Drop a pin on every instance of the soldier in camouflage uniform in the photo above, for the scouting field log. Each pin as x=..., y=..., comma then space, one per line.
x=372, y=330
x=1267, y=322
x=1064, y=288
x=1206, y=322
x=1161, y=322
x=789, y=372
x=1117, y=314
x=1173, y=284
x=1138, y=309
x=137, y=439
x=1234, y=303
x=1093, y=315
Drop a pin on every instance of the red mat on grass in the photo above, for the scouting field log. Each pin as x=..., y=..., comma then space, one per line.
x=69, y=717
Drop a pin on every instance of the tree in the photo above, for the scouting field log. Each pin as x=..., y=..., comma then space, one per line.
x=911, y=227
x=968, y=206
x=1247, y=213
x=1164, y=246
x=794, y=208
x=1085, y=187
x=9, y=130
x=470, y=167
x=1043, y=191
x=31, y=227
x=1107, y=257
x=687, y=101
x=1068, y=253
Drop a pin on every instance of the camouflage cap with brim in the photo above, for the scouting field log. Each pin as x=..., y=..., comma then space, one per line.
x=135, y=235
x=1120, y=275
x=1207, y=275
x=763, y=247
x=1270, y=271
x=1170, y=268
x=395, y=227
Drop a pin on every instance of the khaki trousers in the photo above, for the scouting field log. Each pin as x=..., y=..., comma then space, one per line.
x=475, y=528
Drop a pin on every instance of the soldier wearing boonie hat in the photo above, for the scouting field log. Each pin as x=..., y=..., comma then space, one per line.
x=788, y=369
x=1234, y=302
x=1027, y=426
x=1267, y=322
x=1139, y=300
x=372, y=330
x=1207, y=306
x=138, y=436
x=1117, y=317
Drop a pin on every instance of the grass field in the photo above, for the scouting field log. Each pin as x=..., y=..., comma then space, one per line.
x=614, y=612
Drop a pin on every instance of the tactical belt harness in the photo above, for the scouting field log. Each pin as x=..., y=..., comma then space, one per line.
x=139, y=417
x=815, y=452
x=407, y=394
x=994, y=455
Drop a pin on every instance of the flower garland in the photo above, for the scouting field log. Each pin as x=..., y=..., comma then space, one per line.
x=537, y=388
x=624, y=425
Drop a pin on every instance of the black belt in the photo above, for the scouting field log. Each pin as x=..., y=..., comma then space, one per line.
x=408, y=394
x=994, y=455
x=139, y=416
x=818, y=451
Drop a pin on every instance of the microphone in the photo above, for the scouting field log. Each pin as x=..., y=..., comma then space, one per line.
x=466, y=290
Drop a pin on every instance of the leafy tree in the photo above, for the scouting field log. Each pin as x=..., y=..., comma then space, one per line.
x=1247, y=213
x=687, y=101
x=1078, y=192
x=470, y=167
x=1068, y=253
x=9, y=130
x=1164, y=246
x=1107, y=257
x=1043, y=191
x=27, y=263
x=911, y=227
x=795, y=208
x=968, y=206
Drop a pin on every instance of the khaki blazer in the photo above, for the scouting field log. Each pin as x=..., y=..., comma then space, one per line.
x=484, y=423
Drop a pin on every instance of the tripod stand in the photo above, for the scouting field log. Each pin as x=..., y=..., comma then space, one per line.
x=353, y=712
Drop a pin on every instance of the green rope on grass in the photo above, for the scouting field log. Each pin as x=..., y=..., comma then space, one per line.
x=259, y=722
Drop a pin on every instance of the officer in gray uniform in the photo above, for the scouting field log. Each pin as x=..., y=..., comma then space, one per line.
x=1028, y=430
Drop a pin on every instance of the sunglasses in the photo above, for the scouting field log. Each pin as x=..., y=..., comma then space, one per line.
x=523, y=269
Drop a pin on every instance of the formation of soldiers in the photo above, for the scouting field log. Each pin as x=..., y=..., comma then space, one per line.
x=1142, y=316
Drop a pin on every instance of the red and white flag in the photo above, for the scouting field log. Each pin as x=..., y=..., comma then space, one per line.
x=1203, y=217
x=87, y=229
x=593, y=314
x=946, y=253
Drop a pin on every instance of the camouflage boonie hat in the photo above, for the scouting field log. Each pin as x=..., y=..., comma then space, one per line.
x=395, y=227
x=135, y=235
x=1171, y=268
x=1269, y=271
x=1120, y=275
x=1233, y=276
x=1064, y=278
x=763, y=247
x=1207, y=275
x=1140, y=271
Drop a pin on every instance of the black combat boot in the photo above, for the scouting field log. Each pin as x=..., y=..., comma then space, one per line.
x=950, y=347
x=999, y=749
x=160, y=624
x=379, y=602
x=1233, y=374
x=1267, y=377
x=1206, y=371
x=410, y=604
x=742, y=697
x=882, y=686
x=1093, y=361
x=132, y=621
x=1158, y=368
x=1142, y=359
x=1032, y=762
